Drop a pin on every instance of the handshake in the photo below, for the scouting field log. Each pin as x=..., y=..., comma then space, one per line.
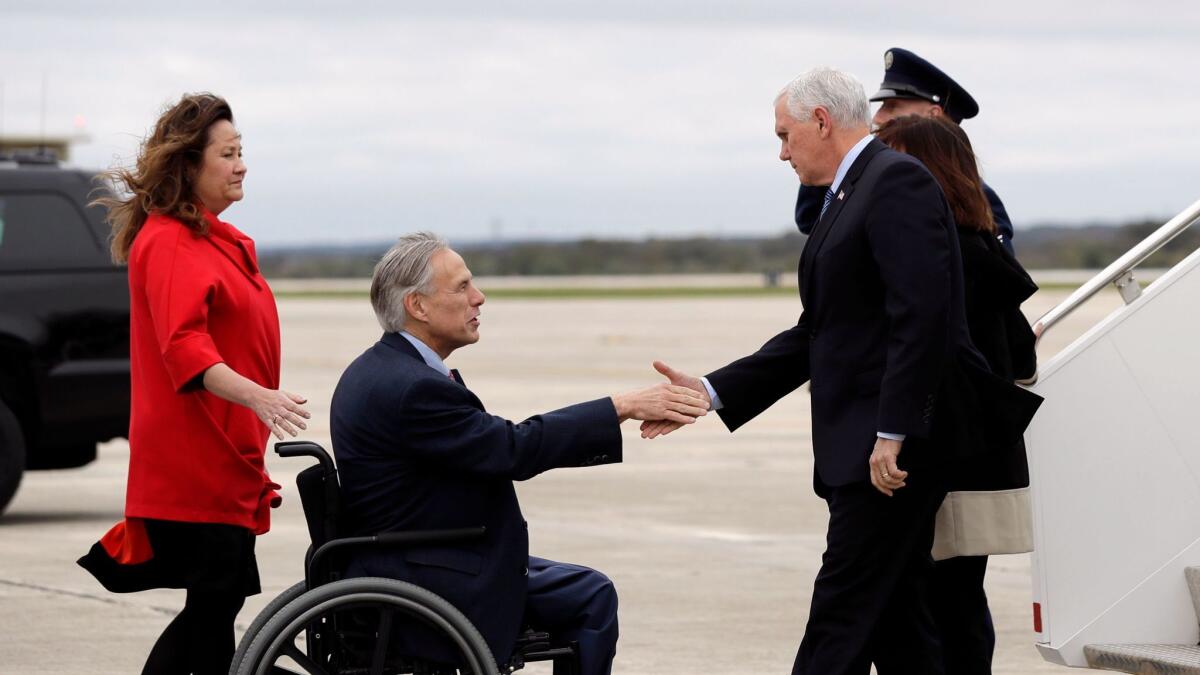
x=664, y=407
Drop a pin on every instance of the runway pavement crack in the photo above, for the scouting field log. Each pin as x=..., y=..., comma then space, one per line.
x=63, y=592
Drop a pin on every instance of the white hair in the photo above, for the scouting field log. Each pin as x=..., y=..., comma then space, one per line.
x=839, y=93
x=403, y=270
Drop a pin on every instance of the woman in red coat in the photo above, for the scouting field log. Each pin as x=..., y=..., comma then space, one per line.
x=204, y=368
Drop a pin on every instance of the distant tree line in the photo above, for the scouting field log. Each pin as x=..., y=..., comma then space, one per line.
x=1047, y=247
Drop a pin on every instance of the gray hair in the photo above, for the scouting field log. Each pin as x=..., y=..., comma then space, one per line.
x=839, y=93
x=403, y=270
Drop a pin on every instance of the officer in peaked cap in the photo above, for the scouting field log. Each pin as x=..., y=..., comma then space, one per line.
x=912, y=86
x=910, y=78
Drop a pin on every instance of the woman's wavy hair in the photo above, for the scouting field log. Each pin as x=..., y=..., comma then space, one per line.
x=944, y=149
x=161, y=181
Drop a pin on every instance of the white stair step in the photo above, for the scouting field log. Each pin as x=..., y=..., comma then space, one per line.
x=1145, y=659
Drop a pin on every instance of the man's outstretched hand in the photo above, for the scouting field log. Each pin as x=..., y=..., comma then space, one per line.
x=665, y=402
x=654, y=429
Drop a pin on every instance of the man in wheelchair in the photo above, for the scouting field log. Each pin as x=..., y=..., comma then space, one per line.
x=417, y=450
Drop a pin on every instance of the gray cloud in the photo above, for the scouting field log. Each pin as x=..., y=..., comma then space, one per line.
x=617, y=118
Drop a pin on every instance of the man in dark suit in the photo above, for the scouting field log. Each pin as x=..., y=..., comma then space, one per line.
x=913, y=86
x=416, y=450
x=881, y=284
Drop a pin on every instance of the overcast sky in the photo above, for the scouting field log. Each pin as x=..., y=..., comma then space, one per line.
x=614, y=118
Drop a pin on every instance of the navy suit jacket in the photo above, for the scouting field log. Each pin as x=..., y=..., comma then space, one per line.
x=417, y=450
x=882, y=287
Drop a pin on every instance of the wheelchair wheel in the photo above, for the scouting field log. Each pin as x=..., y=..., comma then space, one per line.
x=316, y=617
x=277, y=603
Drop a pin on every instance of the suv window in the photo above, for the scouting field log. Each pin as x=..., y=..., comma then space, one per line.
x=45, y=230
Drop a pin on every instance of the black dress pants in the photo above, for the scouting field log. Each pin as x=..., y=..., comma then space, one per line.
x=870, y=599
x=961, y=612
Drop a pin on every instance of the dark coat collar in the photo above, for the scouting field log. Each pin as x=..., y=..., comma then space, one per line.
x=401, y=344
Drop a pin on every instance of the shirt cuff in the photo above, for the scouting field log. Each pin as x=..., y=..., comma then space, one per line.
x=712, y=394
x=890, y=437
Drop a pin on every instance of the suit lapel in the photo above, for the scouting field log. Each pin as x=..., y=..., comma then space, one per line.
x=826, y=222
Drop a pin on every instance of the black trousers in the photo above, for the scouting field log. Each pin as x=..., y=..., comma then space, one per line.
x=870, y=599
x=961, y=612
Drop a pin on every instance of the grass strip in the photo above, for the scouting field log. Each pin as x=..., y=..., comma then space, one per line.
x=601, y=293
x=566, y=293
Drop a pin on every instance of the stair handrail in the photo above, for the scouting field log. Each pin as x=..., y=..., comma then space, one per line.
x=1121, y=271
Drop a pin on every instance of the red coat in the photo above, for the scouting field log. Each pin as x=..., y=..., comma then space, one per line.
x=195, y=301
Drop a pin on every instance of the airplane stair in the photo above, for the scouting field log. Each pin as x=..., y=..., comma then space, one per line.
x=1114, y=459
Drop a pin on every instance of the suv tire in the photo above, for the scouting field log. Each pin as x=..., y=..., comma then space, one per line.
x=12, y=455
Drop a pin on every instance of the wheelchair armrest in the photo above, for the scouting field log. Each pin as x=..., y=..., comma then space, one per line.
x=407, y=538
x=306, y=449
x=413, y=537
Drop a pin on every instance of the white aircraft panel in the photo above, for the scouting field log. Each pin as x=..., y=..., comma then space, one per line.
x=1115, y=467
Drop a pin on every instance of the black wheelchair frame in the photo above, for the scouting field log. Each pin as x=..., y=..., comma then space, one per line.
x=334, y=615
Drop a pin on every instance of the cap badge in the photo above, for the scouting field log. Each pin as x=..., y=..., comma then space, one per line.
x=887, y=60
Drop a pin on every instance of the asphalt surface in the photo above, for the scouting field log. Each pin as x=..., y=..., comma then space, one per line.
x=712, y=539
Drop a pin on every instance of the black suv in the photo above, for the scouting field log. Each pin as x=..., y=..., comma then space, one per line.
x=64, y=322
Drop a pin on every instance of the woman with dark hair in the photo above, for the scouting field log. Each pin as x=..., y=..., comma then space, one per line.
x=205, y=397
x=994, y=287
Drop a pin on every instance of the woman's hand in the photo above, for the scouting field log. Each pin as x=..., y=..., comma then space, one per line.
x=281, y=411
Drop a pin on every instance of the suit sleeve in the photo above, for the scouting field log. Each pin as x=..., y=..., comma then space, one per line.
x=754, y=383
x=911, y=238
x=442, y=424
x=179, y=287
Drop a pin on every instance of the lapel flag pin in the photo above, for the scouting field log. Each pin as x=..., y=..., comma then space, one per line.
x=840, y=195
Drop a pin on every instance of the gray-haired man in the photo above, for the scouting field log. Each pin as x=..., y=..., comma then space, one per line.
x=416, y=450
x=883, y=324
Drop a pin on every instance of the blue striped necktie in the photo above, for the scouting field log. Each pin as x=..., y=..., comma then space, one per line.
x=825, y=204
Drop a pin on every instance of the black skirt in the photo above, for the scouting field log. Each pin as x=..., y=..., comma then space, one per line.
x=196, y=556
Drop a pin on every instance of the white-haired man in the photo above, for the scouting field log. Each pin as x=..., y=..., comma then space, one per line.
x=416, y=450
x=883, y=328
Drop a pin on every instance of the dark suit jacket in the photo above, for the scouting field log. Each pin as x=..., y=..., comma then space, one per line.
x=417, y=450
x=881, y=282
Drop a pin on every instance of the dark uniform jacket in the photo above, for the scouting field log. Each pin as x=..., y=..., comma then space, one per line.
x=417, y=450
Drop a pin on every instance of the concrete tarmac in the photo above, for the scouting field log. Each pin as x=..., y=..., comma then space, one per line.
x=713, y=539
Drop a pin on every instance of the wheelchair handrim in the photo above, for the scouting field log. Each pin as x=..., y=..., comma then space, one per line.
x=416, y=609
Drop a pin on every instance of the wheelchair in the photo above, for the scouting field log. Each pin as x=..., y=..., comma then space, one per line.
x=329, y=625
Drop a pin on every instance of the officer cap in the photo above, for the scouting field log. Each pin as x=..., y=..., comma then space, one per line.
x=906, y=75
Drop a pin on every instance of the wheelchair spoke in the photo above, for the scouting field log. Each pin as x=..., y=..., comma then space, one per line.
x=302, y=660
x=382, y=638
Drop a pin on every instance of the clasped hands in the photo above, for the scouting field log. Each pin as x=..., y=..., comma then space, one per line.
x=653, y=428
x=886, y=475
x=666, y=403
